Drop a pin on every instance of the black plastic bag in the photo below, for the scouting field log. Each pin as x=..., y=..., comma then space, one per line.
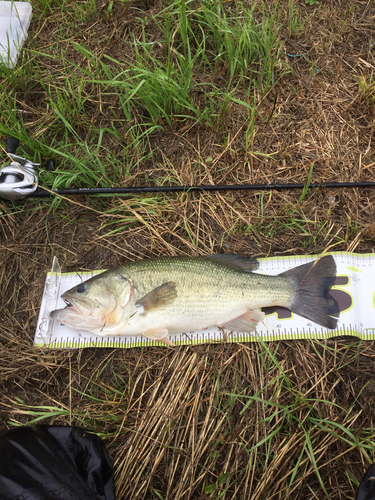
x=50, y=462
x=366, y=489
x=46, y=462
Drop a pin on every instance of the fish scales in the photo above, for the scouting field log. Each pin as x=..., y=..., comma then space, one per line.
x=165, y=295
x=203, y=285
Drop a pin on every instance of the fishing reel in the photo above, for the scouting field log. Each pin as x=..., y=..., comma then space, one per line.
x=21, y=177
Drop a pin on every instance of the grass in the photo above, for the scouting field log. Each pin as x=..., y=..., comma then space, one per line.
x=149, y=91
x=208, y=428
x=132, y=93
x=367, y=87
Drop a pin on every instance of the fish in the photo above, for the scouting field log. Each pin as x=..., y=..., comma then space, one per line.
x=171, y=295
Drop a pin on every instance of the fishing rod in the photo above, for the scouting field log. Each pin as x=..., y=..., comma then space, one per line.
x=20, y=179
x=178, y=189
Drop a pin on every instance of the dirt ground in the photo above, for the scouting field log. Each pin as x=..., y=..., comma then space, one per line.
x=175, y=420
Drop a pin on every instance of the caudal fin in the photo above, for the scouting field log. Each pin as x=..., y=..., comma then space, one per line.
x=311, y=284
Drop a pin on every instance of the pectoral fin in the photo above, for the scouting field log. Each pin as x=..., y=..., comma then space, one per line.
x=161, y=296
x=245, y=323
x=159, y=334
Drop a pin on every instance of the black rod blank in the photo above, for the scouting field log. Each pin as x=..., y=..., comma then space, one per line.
x=39, y=193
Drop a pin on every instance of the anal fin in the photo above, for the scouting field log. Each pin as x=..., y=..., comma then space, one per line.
x=160, y=334
x=247, y=322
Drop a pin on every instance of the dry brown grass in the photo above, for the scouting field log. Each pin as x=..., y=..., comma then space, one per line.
x=175, y=421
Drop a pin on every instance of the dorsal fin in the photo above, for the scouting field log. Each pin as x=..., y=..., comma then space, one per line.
x=237, y=262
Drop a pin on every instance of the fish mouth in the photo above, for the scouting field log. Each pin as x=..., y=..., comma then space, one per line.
x=76, y=315
x=68, y=304
x=80, y=306
x=71, y=305
x=70, y=310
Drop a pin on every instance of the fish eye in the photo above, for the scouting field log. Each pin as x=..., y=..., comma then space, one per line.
x=82, y=288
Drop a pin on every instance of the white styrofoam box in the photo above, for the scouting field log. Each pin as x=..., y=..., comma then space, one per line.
x=15, y=20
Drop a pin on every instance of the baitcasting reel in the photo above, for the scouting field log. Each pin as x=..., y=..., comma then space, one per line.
x=21, y=177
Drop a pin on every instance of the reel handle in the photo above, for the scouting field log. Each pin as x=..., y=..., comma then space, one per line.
x=12, y=145
x=50, y=165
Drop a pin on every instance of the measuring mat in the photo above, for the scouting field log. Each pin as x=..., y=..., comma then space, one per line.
x=354, y=291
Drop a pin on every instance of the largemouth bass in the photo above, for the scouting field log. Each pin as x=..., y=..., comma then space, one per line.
x=168, y=295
